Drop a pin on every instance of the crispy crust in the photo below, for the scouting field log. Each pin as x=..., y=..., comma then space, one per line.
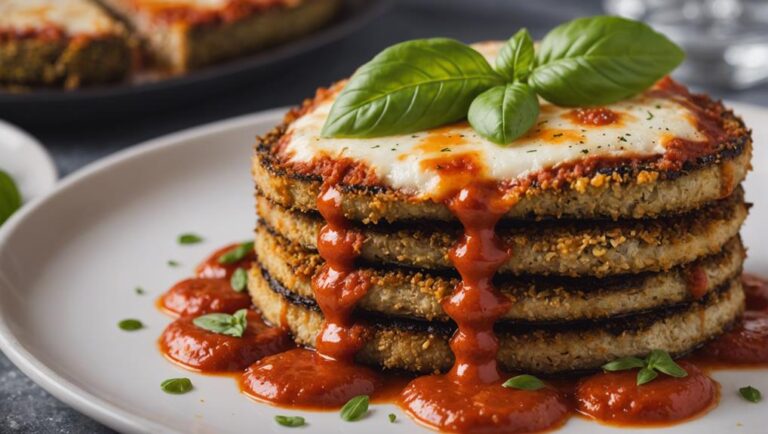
x=621, y=189
x=423, y=346
x=402, y=292
x=557, y=247
x=65, y=61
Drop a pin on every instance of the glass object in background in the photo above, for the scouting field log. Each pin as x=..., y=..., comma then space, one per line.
x=726, y=41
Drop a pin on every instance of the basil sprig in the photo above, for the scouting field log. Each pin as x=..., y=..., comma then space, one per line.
x=425, y=83
x=224, y=324
x=657, y=361
x=10, y=198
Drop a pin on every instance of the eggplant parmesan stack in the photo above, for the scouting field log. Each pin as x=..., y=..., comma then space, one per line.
x=63, y=42
x=623, y=236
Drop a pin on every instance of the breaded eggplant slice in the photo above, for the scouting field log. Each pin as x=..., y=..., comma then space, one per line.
x=408, y=293
x=422, y=346
x=617, y=188
x=556, y=247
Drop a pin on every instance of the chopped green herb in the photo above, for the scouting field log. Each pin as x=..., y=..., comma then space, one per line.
x=557, y=135
x=172, y=263
x=239, y=280
x=524, y=382
x=622, y=138
x=291, y=421
x=530, y=151
x=445, y=150
x=10, y=198
x=176, y=386
x=130, y=325
x=650, y=116
x=657, y=361
x=189, y=239
x=355, y=408
x=236, y=253
x=750, y=394
x=224, y=324
x=139, y=290
x=585, y=151
x=392, y=417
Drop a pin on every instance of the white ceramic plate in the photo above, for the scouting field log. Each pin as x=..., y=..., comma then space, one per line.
x=25, y=159
x=69, y=265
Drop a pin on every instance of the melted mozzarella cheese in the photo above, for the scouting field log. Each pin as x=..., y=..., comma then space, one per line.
x=403, y=161
x=74, y=17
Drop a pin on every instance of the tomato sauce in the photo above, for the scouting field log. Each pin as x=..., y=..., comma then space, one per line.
x=205, y=351
x=593, y=116
x=198, y=295
x=328, y=377
x=615, y=397
x=212, y=268
x=304, y=378
x=745, y=344
x=470, y=398
x=698, y=282
x=756, y=290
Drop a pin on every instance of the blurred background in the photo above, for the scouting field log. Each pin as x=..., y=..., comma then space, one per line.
x=726, y=42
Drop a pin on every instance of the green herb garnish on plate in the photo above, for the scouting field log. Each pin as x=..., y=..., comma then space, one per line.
x=239, y=280
x=10, y=198
x=130, y=325
x=290, y=421
x=750, y=394
x=425, y=83
x=355, y=408
x=524, y=382
x=189, y=238
x=657, y=361
x=223, y=323
x=176, y=386
x=236, y=253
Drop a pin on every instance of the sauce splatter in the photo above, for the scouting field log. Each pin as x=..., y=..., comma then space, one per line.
x=593, y=116
x=198, y=349
x=198, y=296
x=615, y=397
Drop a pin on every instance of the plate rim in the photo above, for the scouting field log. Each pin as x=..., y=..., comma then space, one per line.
x=83, y=401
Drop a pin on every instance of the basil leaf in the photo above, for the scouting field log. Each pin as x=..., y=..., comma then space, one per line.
x=524, y=382
x=504, y=113
x=411, y=86
x=516, y=57
x=623, y=364
x=750, y=394
x=662, y=362
x=130, y=325
x=392, y=417
x=355, y=408
x=176, y=386
x=189, y=239
x=291, y=421
x=10, y=198
x=236, y=253
x=646, y=375
x=224, y=324
x=239, y=280
x=600, y=60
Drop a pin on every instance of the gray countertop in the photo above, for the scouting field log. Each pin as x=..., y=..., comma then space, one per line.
x=24, y=407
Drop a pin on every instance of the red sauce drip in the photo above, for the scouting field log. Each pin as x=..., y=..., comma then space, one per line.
x=212, y=268
x=338, y=286
x=745, y=344
x=697, y=282
x=470, y=397
x=756, y=290
x=593, y=116
x=201, y=350
x=328, y=377
x=304, y=378
x=615, y=397
x=198, y=296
